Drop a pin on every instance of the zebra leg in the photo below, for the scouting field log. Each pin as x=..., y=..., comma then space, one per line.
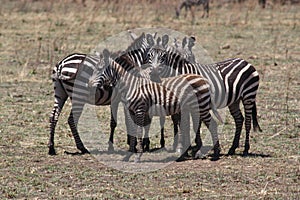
x=186, y=10
x=60, y=97
x=139, y=146
x=176, y=121
x=248, y=113
x=113, y=124
x=192, y=9
x=131, y=131
x=196, y=126
x=206, y=8
x=73, y=122
x=140, y=119
x=212, y=125
x=203, y=11
x=146, y=139
x=239, y=120
x=131, y=135
x=53, y=121
x=162, y=131
x=183, y=135
x=256, y=126
x=177, y=11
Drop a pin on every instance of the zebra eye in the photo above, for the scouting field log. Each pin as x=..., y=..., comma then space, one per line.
x=163, y=58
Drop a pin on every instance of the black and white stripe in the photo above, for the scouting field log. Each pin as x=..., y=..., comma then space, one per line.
x=71, y=77
x=143, y=98
x=231, y=81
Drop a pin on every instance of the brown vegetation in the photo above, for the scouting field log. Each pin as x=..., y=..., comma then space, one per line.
x=34, y=35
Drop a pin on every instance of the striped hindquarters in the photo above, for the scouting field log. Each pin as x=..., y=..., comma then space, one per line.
x=67, y=68
x=74, y=72
x=192, y=91
x=240, y=78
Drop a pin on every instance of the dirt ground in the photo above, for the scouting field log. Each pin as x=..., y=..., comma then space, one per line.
x=34, y=35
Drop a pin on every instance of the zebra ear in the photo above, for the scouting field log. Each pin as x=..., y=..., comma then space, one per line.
x=184, y=42
x=193, y=38
x=150, y=39
x=106, y=55
x=133, y=36
x=192, y=41
x=165, y=40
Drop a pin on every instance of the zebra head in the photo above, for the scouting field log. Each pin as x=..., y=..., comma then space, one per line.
x=104, y=76
x=138, y=49
x=144, y=41
x=157, y=55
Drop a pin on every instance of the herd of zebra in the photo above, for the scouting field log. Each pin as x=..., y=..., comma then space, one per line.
x=154, y=78
x=190, y=5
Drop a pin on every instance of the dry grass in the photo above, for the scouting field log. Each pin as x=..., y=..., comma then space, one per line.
x=35, y=35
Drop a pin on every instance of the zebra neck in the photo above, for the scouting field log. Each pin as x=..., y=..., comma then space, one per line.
x=176, y=65
x=124, y=78
x=137, y=56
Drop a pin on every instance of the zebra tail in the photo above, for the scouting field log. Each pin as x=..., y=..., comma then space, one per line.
x=57, y=75
x=256, y=126
x=54, y=74
x=217, y=115
x=215, y=112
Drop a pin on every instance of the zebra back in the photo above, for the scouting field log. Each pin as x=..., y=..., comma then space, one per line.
x=229, y=79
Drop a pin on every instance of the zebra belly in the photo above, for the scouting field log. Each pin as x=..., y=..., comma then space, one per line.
x=219, y=95
x=160, y=110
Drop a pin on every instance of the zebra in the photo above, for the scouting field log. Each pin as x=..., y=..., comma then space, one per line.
x=231, y=81
x=71, y=76
x=186, y=48
x=138, y=52
x=144, y=98
x=70, y=79
x=190, y=4
x=262, y=3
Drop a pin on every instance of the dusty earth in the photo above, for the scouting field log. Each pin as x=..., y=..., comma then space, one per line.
x=34, y=35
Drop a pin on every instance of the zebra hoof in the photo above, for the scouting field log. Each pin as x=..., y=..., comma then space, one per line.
x=110, y=147
x=231, y=152
x=215, y=158
x=183, y=156
x=199, y=155
x=245, y=153
x=179, y=151
x=137, y=158
x=127, y=157
x=52, y=151
x=257, y=129
x=146, y=149
x=84, y=151
x=132, y=150
x=216, y=154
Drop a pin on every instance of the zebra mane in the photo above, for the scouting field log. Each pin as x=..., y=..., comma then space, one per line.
x=144, y=40
x=137, y=42
x=185, y=49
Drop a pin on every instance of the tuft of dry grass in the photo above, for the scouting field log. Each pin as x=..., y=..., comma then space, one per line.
x=36, y=34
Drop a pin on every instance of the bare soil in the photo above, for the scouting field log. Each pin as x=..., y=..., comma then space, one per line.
x=34, y=35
